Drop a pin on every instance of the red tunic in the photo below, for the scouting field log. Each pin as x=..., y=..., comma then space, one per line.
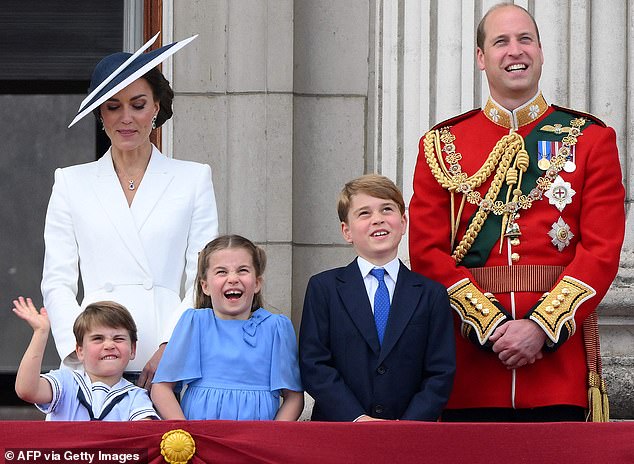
x=595, y=216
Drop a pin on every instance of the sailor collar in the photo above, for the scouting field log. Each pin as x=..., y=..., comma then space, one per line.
x=98, y=398
x=525, y=114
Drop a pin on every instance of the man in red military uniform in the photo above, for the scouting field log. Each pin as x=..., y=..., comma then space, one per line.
x=519, y=210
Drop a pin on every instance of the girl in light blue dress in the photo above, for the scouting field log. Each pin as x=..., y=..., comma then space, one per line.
x=235, y=357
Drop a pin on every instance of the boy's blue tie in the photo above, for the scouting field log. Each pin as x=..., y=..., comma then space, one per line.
x=381, y=303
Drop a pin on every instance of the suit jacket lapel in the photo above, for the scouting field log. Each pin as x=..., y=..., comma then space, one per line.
x=156, y=179
x=404, y=303
x=351, y=289
x=115, y=206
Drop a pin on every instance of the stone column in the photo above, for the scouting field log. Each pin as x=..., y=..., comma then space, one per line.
x=331, y=43
x=234, y=111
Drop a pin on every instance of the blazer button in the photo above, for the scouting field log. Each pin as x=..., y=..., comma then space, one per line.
x=378, y=409
x=381, y=370
x=108, y=287
x=148, y=284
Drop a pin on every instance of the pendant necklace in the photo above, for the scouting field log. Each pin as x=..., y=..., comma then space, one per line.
x=131, y=179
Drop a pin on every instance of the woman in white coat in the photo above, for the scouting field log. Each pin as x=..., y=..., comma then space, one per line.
x=131, y=224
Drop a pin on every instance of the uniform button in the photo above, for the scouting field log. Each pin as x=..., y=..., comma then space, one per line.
x=515, y=257
x=515, y=241
x=381, y=370
x=108, y=287
x=378, y=409
x=148, y=284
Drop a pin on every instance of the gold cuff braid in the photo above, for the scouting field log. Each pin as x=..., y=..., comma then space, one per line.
x=559, y=306
x=475, y=309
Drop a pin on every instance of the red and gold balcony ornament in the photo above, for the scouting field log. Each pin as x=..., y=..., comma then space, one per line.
x=177, y=446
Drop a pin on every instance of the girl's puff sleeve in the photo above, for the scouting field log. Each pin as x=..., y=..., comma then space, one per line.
x=181, y=361
x=284, y=363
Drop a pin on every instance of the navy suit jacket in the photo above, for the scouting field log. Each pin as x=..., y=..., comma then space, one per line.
x=349, y=374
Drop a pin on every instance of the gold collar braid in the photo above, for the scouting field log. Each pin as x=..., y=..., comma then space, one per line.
x=525, y=114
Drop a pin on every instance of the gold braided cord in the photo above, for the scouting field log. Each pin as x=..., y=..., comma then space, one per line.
x=436, y=141
x=500, y=174
x=459, y=182
x=431, y=139
x=454, y=180
x=514, y=177
x=509, y=150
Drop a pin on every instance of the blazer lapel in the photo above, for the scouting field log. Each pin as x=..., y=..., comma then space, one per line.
x=351, y=289
x=155, y=180
x=114, y=204
x=404, y=303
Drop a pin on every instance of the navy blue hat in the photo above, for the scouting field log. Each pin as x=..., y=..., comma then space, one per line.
x=115, y=72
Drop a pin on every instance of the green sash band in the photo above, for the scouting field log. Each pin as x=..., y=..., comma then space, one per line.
x=479, y=252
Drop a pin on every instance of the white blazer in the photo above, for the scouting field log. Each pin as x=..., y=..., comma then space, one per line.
x=139, y=256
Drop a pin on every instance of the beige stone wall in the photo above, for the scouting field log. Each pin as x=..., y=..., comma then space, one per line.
x=234, y=110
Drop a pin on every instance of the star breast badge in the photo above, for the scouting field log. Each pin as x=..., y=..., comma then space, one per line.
x=560, y=234
x=560, y=193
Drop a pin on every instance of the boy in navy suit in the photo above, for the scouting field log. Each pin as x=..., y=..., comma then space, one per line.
x=376, y=339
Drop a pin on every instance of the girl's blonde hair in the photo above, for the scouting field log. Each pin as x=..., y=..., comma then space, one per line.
x=222, y=243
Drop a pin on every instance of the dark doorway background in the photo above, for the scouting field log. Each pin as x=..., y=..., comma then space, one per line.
x=47, y=52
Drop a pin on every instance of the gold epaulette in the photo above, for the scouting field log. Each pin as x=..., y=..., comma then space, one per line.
x=557, y=309
x=477, y=311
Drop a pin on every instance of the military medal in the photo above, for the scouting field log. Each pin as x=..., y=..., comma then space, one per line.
x=545, y=151
x=570, y=164
x=560, y=234
x=560, y=193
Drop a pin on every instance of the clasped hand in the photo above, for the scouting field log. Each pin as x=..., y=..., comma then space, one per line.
x=518, y=343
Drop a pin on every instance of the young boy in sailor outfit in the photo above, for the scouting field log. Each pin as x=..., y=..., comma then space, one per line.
x=106, y=337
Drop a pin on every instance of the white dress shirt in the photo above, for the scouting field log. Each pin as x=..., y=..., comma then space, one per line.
x=371, y=282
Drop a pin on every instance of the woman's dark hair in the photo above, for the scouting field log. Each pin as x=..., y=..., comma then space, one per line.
x=161, y=91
